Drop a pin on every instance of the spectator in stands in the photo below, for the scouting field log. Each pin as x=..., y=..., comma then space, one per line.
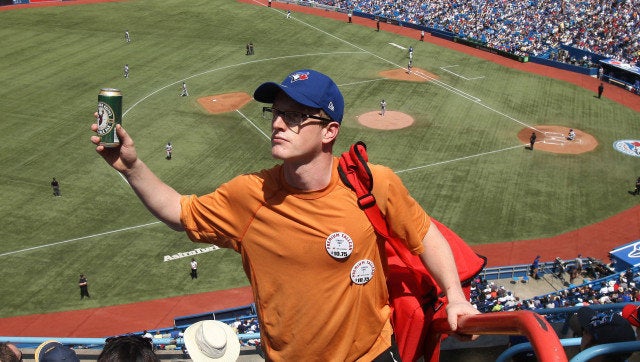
x=253, y=326
x=243, y=327
x=559, y=268
x=599, y=328
x=9, y=352
x=175, y=333
x=211, y=340
x=54, y=351
x=535, y=266
x=573, y=272
x=285, y=221
x=236, y=324
x=128, y=348
x=578, y=261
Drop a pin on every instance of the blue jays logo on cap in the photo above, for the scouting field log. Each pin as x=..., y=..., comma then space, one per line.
x=299, y=76
x=309, y=88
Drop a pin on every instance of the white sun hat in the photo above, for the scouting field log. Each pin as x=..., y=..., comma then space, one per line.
x=211, y=341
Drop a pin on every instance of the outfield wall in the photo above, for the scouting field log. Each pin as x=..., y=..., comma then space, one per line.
x=565, y=66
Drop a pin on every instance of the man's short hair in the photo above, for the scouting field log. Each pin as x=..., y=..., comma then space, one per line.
x=128, y=348
x=7, y=354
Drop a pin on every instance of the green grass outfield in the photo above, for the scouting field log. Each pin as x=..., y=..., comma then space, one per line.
x=461, y=159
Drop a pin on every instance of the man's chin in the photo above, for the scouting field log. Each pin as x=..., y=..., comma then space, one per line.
x=277, y=153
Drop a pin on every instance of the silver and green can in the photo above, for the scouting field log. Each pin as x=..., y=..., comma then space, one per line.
x=109, y=114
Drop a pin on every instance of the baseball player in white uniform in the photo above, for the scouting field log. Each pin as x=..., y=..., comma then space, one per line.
x=168, y=149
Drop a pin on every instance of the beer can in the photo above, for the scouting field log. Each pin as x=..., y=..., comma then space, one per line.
x=109, y=114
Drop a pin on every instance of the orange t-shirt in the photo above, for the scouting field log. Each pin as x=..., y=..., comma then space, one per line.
x=312, y=305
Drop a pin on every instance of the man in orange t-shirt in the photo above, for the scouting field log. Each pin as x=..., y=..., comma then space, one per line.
x=311, y=255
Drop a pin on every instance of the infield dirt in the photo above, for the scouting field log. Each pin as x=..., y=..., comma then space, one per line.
x=221, y=103
x=554, y=139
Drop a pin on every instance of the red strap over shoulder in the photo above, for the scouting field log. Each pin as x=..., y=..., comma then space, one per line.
x=355, y=173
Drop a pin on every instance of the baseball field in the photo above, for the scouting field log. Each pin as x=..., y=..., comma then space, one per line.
x=461, y=156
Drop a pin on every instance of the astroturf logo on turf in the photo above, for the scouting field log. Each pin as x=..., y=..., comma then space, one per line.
x=628, y=147
x=190, y=253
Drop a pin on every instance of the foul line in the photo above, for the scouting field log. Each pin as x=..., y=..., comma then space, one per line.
x=398, y=46
x=458, y=75
x=80, y=238
x=253, y=124
x=458, y=159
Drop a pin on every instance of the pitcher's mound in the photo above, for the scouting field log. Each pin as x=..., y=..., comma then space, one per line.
x=416, y=75
x=554, y=139
x=222, y=103
x=390, y=120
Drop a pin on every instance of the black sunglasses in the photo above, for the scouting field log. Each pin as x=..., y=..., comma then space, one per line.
x=292, y=118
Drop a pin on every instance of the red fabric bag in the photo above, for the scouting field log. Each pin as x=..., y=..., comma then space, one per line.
x=414, y=296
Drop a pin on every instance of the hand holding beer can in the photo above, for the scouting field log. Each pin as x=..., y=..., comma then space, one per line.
x=109, y=115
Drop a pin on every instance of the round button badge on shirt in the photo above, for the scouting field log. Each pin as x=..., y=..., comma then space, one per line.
x=362, y=271
x=339, y=245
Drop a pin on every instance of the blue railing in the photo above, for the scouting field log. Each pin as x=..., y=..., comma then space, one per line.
x=583, y=356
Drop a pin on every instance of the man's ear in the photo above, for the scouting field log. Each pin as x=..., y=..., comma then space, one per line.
x=330, y=132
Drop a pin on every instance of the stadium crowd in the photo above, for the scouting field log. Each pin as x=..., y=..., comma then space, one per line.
x=612, y=287
x=530, y=27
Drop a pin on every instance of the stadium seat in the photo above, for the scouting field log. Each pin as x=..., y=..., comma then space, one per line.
x=525, y=279
x=514, y=280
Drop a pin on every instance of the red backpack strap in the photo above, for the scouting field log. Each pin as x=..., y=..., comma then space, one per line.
x=356, y=174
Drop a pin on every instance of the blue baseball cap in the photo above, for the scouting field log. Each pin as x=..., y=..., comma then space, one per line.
x=54, y=351
x=309, y=88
